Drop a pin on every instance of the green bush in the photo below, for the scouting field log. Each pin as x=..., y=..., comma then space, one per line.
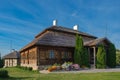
x=76, y=52
x=25, y=68
x=81, y=55
x=101, y=57
x=30, y=68
x=111, y=56
x=85, y=58
x=117, y=58
x=4, y=73
x=1, y=63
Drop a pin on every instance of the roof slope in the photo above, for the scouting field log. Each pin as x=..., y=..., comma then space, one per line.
x=96, y=42
x=14, y=54
x=67, y=30
x=54, y=40
x=61, y=40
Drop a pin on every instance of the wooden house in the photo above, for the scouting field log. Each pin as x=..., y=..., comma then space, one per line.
x=56, y=45
x=12, y=59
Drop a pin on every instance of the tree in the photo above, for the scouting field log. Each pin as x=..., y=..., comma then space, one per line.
x=1, y=62
x=85, y=58
x=81, y=50
x=118, y=58
x=101, y=57
x=76, y=52
x=111, y=56
x=81, y=55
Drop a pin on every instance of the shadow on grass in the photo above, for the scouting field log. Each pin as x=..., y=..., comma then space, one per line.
x=16, y=78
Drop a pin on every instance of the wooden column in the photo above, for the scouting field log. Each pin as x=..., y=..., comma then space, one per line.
x=89, y=54
x=38, y=56
x=94, y=52
x=28, y=57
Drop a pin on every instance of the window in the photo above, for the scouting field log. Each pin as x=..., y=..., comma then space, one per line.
x=51, y=54
x=66, y=55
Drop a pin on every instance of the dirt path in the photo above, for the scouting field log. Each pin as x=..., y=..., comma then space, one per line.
x=90, y=71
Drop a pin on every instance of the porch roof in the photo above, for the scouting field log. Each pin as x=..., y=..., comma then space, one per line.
x=96, y=42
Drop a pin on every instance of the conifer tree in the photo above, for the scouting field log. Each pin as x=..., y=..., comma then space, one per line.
x=76, y=53
x=101, y=57
x=81, y=50
x=81, y=55
x=85, y=58
x=111, y=56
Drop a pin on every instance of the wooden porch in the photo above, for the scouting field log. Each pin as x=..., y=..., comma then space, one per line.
x=92, y=51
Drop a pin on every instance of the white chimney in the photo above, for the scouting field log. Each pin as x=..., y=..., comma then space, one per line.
x=75, y=27
x=54, y=22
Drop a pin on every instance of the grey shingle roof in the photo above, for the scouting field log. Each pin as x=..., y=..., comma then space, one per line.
x=68, y=30
x=52, y=40
x=14, y=54
x=96, y=42
x=61, y=40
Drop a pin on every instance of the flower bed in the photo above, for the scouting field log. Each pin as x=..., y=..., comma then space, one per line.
x=66, y=66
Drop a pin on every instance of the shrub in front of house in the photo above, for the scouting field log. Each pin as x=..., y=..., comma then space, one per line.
x=25, y=68
x=81, y=55
x=1, y=63
x=111, y=56
x=30, y=68
x=118, y=57
x=101, y=57
x=3, y=73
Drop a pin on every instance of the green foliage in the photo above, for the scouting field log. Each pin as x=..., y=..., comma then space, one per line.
x=81, y=51
x=101, y=57
x=25, y=68
x=118, y=57
x=1, y=63
x=76, y=53
x=3, y=73
x=111, y=56
x=117, y=50
x=85, y=58
x=81, y=56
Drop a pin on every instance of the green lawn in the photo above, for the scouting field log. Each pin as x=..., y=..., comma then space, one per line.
x=18, y=74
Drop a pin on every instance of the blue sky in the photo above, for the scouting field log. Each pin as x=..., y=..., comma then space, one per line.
x=21, y=20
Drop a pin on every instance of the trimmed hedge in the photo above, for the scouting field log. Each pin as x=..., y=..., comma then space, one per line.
x=3, y=73
x=25, y=68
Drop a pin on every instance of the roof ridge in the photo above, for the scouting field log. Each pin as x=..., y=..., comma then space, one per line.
x=72, y=31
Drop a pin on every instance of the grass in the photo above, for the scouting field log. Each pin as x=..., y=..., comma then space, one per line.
x=18, y=74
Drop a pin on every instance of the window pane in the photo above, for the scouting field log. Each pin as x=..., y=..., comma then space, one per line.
x=51, y=54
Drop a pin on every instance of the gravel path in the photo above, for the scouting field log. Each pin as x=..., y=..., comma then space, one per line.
x=90, y=71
